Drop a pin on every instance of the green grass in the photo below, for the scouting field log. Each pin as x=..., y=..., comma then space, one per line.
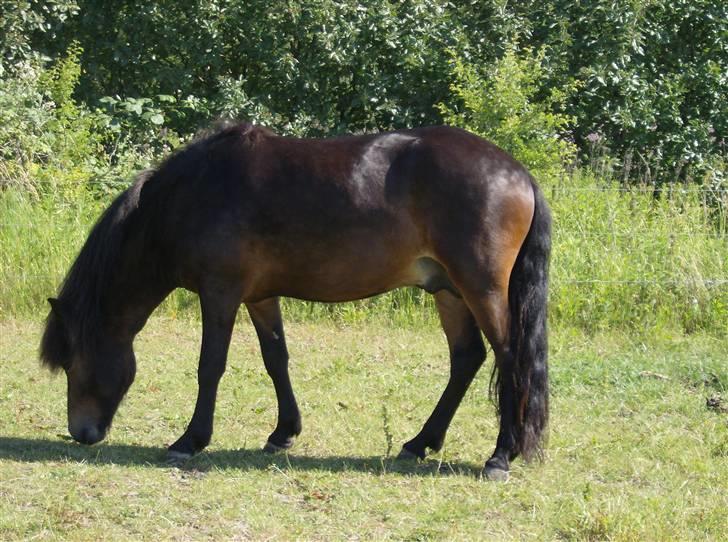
x=637, y=260
x=635, y=453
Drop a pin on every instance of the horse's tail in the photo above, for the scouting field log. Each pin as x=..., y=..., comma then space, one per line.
x=527, y=299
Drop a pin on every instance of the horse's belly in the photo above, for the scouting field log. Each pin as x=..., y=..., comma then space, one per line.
x=337, y=281
x=343, y=265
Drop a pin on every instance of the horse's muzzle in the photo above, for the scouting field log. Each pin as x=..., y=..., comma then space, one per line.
x=87, y=434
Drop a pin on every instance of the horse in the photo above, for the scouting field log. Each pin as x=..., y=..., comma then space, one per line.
x=246, y=216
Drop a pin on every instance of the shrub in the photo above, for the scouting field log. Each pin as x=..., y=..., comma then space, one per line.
x=502, y=106
x=48, y=143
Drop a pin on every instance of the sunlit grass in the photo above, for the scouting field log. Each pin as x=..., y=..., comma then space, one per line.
x=634, y=453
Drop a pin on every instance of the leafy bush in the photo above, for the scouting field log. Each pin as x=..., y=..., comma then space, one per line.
x=24, y=114
x=20, y=22
x=651, y=75
x=48, y=142
x=502, y=106
x=329, y=66
x=648, y=77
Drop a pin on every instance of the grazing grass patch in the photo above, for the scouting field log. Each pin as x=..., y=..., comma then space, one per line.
x=638, y=444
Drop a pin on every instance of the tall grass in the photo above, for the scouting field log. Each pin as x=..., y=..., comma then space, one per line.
x=639, y=257
x=633, y=259
x=39, y=237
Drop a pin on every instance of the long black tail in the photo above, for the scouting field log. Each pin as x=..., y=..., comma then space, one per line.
x=528, y=298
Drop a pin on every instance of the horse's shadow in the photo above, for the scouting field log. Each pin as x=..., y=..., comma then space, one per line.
x=48, y=451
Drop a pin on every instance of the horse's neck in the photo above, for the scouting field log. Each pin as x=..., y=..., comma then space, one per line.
x=135, y=294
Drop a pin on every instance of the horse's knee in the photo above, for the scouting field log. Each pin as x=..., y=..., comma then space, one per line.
x=210, y=373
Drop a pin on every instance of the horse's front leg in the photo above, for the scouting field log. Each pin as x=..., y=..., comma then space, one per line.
x=266, y=317
x=219, y=306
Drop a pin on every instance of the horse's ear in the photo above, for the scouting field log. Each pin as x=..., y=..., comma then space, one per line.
x=55, y=349
x=58, y=309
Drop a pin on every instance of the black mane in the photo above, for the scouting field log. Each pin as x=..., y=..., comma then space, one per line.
x=79, y=297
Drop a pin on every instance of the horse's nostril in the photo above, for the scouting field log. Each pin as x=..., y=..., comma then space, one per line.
x=88, y=435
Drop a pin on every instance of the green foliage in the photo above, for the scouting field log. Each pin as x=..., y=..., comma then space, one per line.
x=61, y=80
x=72, y=130
x=24, y=115
x=143, y=121
x=502, y=106
x=20, y=21
x=661, y=73
x=52, y=144
x=330, y=66
x=48, y=143
x=651, y=74
x=648, y=77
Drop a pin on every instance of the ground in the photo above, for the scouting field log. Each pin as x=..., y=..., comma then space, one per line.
x=638, y=446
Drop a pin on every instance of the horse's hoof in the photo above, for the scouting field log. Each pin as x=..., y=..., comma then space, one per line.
x=495, y=474
x=407, y=455
x=272, y=448
x=177, y=458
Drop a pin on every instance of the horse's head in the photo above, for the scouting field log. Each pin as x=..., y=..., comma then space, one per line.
x=99, y=370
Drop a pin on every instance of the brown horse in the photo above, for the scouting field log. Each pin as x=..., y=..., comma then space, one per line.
x=246, y=216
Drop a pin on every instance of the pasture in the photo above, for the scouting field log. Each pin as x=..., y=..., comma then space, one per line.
x=638, y=445
x=618, y=111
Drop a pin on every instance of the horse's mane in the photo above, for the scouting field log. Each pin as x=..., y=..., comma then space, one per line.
x=79, y=297
x=75, y=320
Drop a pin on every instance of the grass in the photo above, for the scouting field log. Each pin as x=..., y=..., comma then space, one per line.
x=639, y=434
x=638, y=259
x=635, y=452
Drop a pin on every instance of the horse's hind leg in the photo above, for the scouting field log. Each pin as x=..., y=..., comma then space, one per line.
x=491, y=311
x=266, y=317
x=467, y=354
x=484, y=288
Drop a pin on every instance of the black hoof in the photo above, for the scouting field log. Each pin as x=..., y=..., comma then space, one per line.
x=495, y=474
x=177, y=458
x=186, y=446
x=496, y=469
x=410, y=454
x=273, y=448
x=406, y=455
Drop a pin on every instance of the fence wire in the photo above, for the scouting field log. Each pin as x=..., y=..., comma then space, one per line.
x=555, y=281
x=560, y=234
